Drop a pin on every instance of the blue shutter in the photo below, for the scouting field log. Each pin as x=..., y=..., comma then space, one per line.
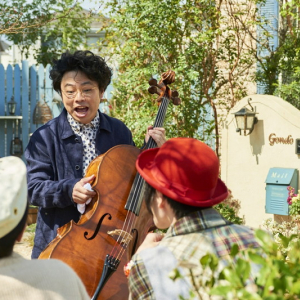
x=269, y=10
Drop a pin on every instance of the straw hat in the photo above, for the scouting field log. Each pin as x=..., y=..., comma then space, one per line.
x=185, y=170
x=13, y=193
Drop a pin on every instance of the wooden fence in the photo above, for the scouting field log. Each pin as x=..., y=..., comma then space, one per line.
x=27, y=86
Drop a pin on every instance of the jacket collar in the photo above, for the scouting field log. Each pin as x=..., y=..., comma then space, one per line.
x=201, y=220
x=66, y=130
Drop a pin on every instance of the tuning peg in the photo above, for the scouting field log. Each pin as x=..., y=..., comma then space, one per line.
x=152, y=81
x=154, y=90
x=175, y=93
x=176, y=100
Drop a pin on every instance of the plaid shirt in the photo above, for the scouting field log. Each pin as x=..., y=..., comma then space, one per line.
x=190, y=238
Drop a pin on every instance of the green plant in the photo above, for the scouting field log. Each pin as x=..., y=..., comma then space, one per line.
x=279, y=65
x=277, y=277
x=31, y=228
x=228, y=213
x=229, y=209
x=56, y=25
x=30, y=233
x=295, y=207
x=293, y=201
x=286, y=229
x=208, y=44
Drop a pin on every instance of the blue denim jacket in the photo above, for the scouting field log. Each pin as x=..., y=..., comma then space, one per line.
x=54, y=158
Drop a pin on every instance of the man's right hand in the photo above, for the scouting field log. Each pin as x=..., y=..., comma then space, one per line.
x=80, y=194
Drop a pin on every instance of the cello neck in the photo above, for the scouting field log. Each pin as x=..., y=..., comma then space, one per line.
x=165, y=94
x=159, y=121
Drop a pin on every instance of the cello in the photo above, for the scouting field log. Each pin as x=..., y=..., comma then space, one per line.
x=116, y=221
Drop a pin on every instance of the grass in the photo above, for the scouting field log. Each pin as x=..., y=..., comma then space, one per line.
x=30, y=232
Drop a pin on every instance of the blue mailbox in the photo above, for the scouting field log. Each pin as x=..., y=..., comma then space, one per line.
x=277, y=181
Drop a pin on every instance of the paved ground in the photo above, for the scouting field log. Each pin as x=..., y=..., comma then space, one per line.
x=24, y=247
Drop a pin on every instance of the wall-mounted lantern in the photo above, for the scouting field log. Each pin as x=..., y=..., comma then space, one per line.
x=245, y=119
x=11, y=106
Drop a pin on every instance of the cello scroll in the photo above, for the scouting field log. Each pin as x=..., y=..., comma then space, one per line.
x=161, y=88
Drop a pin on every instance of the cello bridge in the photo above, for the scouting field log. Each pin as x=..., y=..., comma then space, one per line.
x=118, y=234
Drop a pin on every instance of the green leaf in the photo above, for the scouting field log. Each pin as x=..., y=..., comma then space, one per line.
x=232, y=276
x=295, y=288
x=243, y=268
x=234, y=250
x=256, y=258
x=221, y=290
x=175, y=274
x=265, y=240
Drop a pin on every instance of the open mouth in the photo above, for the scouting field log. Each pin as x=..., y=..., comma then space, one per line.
x=81, y=111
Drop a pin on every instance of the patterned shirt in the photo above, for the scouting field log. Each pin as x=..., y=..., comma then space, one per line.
x=190, y=238
x=87, y=132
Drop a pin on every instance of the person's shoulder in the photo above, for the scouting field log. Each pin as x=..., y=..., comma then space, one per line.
x=53, y=265
x=56, y=269
x=51, y=129
x=111, y=120
x=242, y=228
x=46, y=127
x=115, y=126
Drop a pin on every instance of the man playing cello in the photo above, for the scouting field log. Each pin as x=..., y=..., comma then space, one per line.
x=60, y=151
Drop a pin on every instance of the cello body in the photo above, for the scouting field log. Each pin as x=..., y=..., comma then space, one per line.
x=84, y=245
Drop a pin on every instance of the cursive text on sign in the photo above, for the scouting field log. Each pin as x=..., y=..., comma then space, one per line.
x=273, y=139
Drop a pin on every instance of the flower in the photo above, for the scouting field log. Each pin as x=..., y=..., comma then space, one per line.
x=128, y=267
x=294, y=201
x=291, y=194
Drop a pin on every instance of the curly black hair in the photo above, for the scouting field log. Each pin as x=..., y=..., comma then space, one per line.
x=93, y=66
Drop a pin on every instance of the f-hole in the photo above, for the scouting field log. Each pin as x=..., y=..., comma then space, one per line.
x=97, y=228
x=134, y=232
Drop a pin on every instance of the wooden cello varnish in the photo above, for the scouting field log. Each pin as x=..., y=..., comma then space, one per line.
x=115, y=172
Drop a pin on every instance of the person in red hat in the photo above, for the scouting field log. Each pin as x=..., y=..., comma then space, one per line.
x=182, y=186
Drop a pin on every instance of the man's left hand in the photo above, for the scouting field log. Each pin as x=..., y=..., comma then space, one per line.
x=158, y=134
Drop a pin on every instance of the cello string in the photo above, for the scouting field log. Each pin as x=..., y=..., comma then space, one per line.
x=129, y=221
x=158, y=122
x=132, y=217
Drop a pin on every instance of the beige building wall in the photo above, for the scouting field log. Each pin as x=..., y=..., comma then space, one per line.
x=246, y=160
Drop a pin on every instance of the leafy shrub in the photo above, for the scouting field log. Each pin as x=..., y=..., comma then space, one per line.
x=277, y=279
x=286, y=229
x=229, y=209
x=293, y=201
